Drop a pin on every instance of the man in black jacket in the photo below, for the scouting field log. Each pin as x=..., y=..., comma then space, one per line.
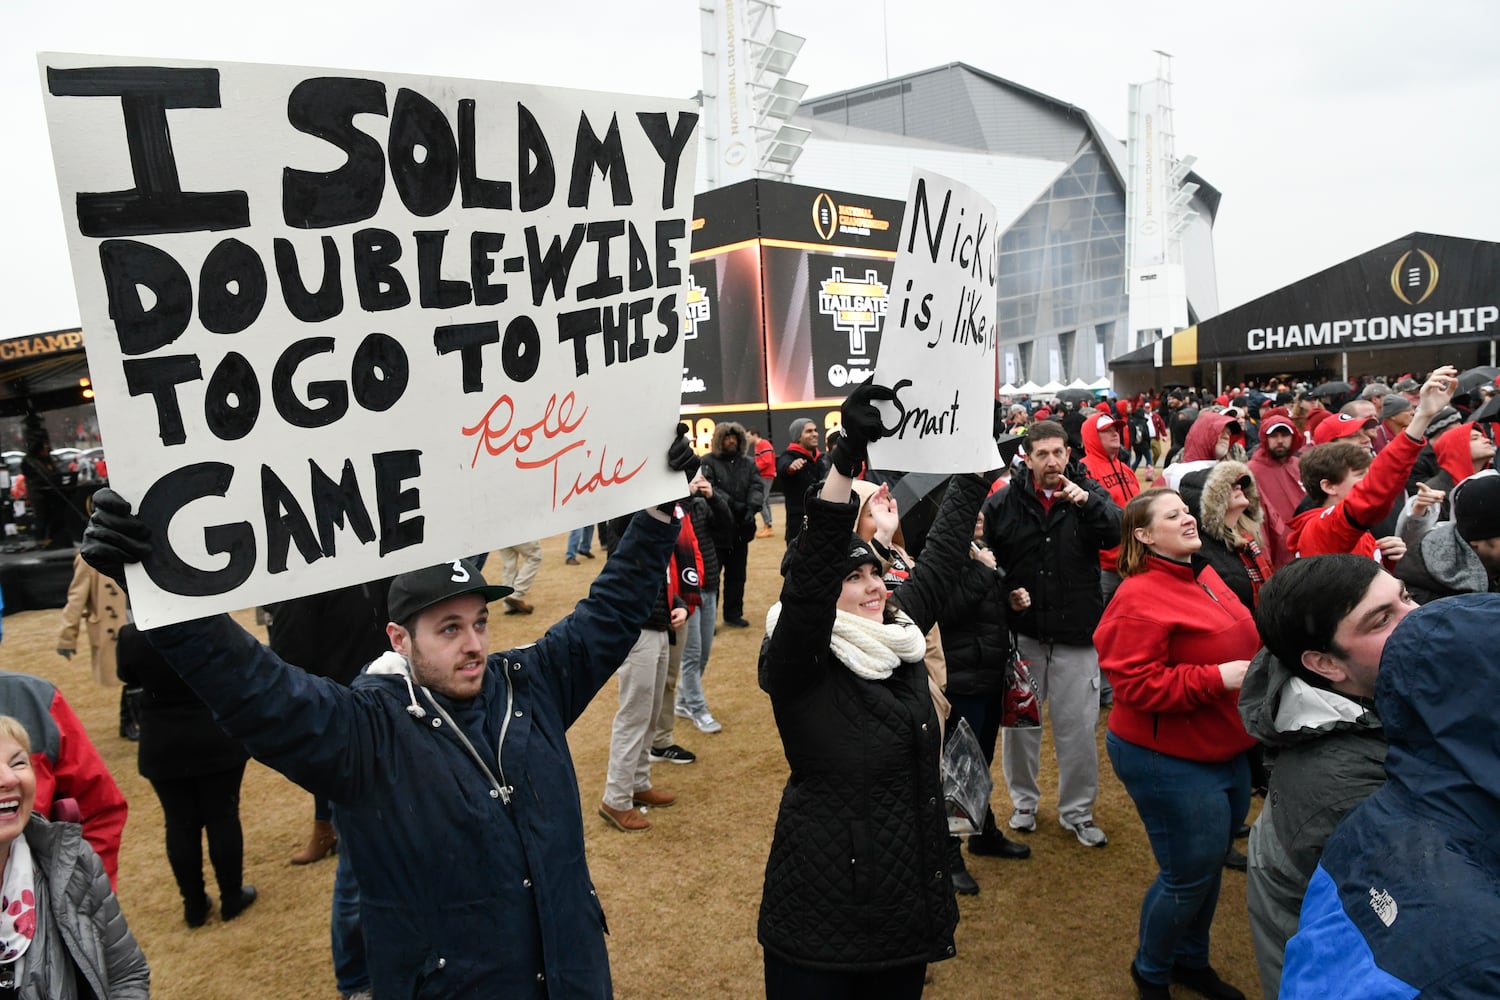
x=1047, y=530
x=735, y=478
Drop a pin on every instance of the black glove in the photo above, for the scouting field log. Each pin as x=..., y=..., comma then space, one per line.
x=114, y=536
x=680, y=456
x=861, y=425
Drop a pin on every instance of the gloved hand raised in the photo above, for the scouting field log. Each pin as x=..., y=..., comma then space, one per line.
x=114, y=536
x=680, y=457
x=861, y=425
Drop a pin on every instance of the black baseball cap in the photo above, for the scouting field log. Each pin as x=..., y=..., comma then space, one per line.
x=414, y=592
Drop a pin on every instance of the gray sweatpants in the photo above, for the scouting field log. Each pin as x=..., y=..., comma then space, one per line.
x=1067, y=682
x=641, y=678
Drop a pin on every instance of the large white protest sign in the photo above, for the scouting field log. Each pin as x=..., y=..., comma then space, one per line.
x=341, y=325
x=937, y=347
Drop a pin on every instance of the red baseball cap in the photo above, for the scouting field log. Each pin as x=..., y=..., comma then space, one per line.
x=1340, y=425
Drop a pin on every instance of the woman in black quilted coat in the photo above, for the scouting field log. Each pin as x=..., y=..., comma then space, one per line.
x=857, y=896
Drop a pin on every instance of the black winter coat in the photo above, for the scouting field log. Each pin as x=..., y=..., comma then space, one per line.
x=858, y=873
x=738, y=481
x=333, y=634
x=179, y=738
x=976, y=631
x=714, y=526
x=1054, y=555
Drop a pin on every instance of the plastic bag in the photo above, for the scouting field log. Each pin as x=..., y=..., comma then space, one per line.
x=966, y=781
x=1020, y=709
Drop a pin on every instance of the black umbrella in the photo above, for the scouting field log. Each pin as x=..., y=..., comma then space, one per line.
x=1077, y=396
x=1489, y=413
x=917, y=495
x=1475, y=377
x=1332, y=389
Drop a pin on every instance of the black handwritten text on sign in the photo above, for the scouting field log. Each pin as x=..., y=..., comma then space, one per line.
x=937, y=352
x=573, y=243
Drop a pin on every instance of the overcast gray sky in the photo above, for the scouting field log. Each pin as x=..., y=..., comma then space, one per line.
x=1331, y=127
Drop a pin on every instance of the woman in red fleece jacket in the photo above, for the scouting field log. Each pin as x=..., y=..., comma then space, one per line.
x=1175, y=643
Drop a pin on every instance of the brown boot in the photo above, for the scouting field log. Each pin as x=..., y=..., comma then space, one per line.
x=655, y=798
x=624, y=820
x=322, y=843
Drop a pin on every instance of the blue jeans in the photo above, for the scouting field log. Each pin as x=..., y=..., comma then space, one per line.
x=580, y=540
x=1190, y=809
x=351, y=972
x=698, y=642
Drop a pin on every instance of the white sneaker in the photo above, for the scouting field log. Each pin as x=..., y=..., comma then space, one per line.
x=1087, y=833
x=681, y=712
x=1023, y=820
x=706, y=723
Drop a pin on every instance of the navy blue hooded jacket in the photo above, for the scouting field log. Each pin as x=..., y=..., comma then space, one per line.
x=471, y=867
x=1406, y=901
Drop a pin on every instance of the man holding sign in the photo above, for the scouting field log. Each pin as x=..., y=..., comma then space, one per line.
x=343, y=324
x=456, y=795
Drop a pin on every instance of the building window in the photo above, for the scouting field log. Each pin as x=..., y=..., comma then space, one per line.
x=1025, y=350
x=1065, y=355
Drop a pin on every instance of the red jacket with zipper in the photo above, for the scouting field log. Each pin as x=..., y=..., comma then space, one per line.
x=1161, y=641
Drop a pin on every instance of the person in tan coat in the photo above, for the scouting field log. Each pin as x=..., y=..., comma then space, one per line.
x=99, y=602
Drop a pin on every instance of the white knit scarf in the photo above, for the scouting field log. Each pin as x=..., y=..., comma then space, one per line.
x=871, y=650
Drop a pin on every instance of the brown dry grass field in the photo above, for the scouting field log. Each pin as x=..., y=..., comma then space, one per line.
x=681, y=899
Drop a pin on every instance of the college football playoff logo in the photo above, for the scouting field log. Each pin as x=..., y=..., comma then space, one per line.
x=1414, y=277
x=825, y=216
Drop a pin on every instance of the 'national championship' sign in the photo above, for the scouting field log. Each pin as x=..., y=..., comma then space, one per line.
x=342, y=325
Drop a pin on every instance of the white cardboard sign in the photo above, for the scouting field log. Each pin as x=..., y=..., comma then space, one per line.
x=341, y=325
x=937, y=348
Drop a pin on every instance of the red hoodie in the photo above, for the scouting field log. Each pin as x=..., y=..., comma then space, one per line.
x=1280, y=485
x=1203, y=437
x=1342, y=527
x=1161, y=641
x=1454, y=456
x=1110, y=473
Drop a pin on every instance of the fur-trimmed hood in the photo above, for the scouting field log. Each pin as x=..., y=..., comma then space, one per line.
x=723, y=430
x=1214, y=487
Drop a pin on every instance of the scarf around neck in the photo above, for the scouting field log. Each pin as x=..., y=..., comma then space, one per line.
x=871, y=650
x=17, y=902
